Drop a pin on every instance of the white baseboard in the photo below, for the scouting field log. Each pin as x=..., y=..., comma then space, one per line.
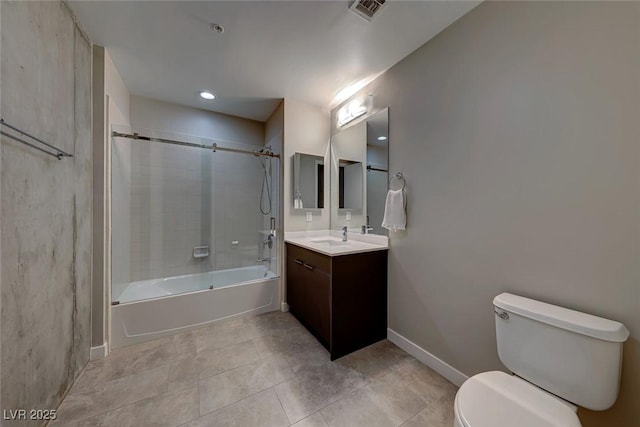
x=285, y=307
x=99, y=352
x=438, y=365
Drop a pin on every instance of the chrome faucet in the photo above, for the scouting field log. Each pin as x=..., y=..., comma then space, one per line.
x=344, y=233
x=268, y=241
x=366, y=229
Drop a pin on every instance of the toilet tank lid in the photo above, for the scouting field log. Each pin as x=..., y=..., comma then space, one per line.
x=576, y=321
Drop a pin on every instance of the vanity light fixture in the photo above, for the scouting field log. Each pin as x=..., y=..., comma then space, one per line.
x=205, y=94
x=382, y=138
x=350, y=111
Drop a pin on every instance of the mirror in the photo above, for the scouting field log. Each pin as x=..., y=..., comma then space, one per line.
x=308, y=181
x=359, y=174
x=377, y=181
x=349, y=184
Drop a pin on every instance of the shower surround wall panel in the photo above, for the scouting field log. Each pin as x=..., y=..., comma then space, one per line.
x=46, y=206
x=237, y=221
x=167, y=216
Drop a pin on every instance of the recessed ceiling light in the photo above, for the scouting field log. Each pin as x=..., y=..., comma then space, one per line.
x=207, y=95
x=382, y=138
x=217, y=28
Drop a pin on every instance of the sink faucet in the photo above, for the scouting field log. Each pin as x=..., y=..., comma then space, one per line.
x=366, y=229
x=344, y=233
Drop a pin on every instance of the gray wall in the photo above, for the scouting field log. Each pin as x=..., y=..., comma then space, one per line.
x=46, y=205
x=306, y=130
x=166, y=116
x=517, y=131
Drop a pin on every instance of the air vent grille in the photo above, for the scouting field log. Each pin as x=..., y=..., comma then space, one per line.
x=367, y=9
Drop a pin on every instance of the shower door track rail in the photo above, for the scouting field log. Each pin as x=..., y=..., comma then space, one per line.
x=213, y=147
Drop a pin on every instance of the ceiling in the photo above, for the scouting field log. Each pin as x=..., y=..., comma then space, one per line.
x=306, y=50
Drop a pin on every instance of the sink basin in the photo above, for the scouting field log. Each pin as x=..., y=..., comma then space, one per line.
x=330, y=242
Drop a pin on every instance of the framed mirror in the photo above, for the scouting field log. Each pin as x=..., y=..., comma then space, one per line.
x=360, y=174
x=308, y=181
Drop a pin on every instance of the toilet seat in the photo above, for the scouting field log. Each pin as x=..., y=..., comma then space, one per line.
x=495, y=398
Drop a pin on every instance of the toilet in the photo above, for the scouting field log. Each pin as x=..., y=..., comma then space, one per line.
x=560, y=358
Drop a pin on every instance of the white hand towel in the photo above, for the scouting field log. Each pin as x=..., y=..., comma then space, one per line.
x=395, y=217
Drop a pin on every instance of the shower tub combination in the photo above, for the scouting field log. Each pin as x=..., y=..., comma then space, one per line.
x=164, y=193
x=151, y=309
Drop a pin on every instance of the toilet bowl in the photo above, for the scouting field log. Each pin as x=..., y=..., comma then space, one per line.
x=554, y=354
x=498, y=399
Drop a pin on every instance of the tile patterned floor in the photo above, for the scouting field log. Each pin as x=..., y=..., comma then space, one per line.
x=263, y=371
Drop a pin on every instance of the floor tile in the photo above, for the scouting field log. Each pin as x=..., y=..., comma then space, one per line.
x=376, y=360
x=425, y=381
x=211, y=362
x=315, y=388
x=293, y=341
x=264, y=370
x=356, y=409
x=169, y=409
x=185, y=345
x=113, y=394
x=273, y=323
x=436, y=414
x=260, y=410
x=308, y=357
x=392, y=394
x=225, y=334
x=126, y=361
x=313, y=420
x=386, y=401
x=231, y=386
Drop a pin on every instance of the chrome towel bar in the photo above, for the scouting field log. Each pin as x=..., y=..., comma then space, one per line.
x=59, y=154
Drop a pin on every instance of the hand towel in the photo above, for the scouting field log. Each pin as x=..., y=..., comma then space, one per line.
x=395, y=217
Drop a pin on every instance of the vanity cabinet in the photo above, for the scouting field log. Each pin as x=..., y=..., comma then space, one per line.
x=340, y=299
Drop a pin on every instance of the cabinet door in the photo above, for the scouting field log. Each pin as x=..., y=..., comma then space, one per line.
x=309, y=291
x=296, y=290
x=318, y=288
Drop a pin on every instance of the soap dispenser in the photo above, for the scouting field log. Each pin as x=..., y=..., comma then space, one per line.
x=297, y=200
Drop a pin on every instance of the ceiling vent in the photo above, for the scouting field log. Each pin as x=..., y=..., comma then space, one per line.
x=367, y=9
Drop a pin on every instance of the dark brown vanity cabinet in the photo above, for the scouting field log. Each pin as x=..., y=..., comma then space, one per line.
x=340, y=299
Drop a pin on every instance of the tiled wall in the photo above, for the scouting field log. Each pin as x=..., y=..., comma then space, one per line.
x=236, y=183
x=168, y=213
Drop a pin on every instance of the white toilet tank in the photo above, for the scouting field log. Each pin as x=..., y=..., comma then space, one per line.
x=571, y=354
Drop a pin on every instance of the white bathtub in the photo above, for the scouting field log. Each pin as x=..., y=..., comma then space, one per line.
x=150, y=309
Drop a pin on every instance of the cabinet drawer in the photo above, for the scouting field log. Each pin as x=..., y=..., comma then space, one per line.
x=313, y=260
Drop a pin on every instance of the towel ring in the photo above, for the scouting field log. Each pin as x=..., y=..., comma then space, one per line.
x=397, y=178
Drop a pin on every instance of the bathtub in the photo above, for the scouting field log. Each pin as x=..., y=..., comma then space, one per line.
x=151, y=309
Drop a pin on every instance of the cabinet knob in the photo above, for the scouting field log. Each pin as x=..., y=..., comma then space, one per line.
x=297, y=261
x=310, y=267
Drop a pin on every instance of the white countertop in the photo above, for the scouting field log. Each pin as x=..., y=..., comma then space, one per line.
x=329, y=242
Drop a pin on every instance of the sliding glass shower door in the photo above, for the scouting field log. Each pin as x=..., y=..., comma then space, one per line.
x=186, y=217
